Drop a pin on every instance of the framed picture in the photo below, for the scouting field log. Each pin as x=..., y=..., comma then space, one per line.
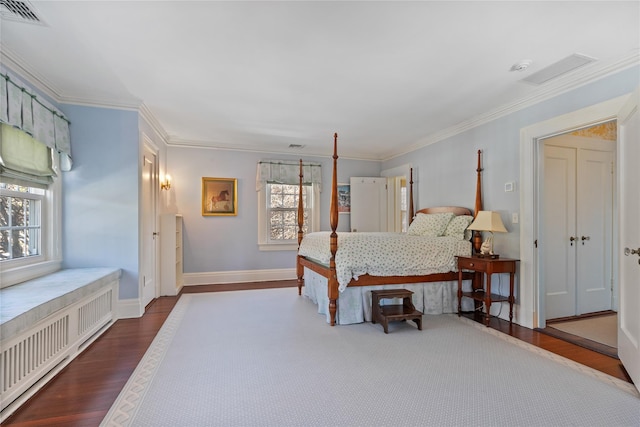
x=344, y=198
x=219, y=196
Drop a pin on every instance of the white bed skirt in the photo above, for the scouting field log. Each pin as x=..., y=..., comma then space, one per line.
x=354, y=304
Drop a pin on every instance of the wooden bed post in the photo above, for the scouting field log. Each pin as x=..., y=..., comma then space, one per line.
x=299, y=268
x=411, y=196
x=333, y=239
x=477, y=236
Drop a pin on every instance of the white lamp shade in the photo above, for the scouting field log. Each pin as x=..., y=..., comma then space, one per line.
x=488, y=221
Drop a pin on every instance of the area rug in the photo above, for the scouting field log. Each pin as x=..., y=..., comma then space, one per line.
x=602, y=329
x=266, y=358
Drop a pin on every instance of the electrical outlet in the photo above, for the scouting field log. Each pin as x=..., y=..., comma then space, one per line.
x=514, y=218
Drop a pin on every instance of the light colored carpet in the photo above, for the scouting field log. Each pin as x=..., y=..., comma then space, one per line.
x=266, y=358
x=602, y=329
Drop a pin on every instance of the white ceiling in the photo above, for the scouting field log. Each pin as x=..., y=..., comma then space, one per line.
x=387, y=76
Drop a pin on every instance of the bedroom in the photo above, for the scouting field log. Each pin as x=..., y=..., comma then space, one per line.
x=101, y=219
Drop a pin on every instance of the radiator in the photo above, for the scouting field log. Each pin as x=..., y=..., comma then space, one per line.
x=30, y=359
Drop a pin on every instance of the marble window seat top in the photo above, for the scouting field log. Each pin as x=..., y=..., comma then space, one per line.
x=25, y=304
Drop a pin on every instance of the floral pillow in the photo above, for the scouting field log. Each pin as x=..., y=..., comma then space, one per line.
x=457, y=227
x=433, y=225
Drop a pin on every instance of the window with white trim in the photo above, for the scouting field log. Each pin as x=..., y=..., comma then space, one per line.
x=30, y=208
x=278, y=214
x=278, y=187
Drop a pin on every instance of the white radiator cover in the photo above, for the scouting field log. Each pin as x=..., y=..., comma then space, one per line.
x=30, y=359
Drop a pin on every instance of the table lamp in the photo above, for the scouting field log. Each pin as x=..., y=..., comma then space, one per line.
x=488, y=221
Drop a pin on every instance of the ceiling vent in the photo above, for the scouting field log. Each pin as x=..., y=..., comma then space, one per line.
x=561, y=67
x=296, y=146
x=20, y=11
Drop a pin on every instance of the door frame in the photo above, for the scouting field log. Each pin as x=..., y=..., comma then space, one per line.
x=581, y=145
x=402, y=171
x=532, y=306
x=147, y=144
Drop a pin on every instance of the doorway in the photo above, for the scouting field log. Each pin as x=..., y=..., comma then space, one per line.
x=148, y=226
x=576, y=220
x=576, y=204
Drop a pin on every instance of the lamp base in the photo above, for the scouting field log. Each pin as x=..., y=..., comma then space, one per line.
x=490, y=256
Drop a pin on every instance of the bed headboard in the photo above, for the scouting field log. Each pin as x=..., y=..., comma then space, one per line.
x=439, y=209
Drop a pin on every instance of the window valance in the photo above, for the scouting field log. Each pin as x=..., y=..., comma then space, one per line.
x=22, y=109
x=287, y=172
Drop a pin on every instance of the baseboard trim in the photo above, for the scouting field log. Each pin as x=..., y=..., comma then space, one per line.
x=130, y=309
x=223, y=277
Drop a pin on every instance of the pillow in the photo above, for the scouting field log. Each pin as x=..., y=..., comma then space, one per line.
x=432, y=225
x=457, y=227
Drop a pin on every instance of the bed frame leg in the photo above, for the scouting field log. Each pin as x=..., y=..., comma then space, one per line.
x=332, y=311
x=300, y=274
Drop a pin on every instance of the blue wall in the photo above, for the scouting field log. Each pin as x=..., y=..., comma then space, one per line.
x=100, y=194
x=230, y=243
x=444, y=172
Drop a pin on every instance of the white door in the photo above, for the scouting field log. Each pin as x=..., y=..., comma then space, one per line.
x=148, y=239
x=594, y=230
x=558, y=250
x=368, y=204
x=629, y=237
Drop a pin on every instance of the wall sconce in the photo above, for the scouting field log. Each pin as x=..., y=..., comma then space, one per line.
x=166, y=184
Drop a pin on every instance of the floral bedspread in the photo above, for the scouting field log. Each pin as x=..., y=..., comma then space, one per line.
x=385, y=254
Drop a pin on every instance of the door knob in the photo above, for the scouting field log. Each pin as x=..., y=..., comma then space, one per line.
x=572, y=239
x=583, y=238
x=628, y=252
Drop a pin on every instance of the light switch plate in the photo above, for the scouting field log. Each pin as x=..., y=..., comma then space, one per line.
x=514, y=218
x=508, y=187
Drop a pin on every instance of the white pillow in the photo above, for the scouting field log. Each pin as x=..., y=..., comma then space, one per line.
x=432, y=225
x=457, y=227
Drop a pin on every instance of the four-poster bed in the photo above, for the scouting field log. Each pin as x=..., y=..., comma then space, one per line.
x=407, y=260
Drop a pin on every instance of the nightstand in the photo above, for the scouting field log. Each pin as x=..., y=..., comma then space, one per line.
x=487, y=266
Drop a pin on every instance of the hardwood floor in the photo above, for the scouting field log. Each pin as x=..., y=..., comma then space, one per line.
x=83, y=392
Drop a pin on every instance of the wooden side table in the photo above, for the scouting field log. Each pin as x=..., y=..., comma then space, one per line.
x=488, y=266
x=394, y=312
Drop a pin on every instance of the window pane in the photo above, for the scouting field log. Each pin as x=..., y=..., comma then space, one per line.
x=290, y=201
x=4, y=211
x=4, y=245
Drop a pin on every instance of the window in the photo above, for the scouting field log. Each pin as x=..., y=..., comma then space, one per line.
x=278, y=215
x=30, y=227
x=20, y=221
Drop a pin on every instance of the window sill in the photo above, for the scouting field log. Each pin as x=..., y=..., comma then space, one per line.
x=26, y=272
x=278, y=246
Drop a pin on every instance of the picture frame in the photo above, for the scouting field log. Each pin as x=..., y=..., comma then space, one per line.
x=344, y=198
x=219, y=196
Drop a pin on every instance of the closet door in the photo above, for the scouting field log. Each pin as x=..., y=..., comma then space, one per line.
x=368, y=204
x=557, y=250
x=594, y=230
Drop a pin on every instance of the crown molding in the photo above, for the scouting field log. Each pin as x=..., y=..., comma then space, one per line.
x=148, y=116
x=553, y=89
x=211, y=145
x=13, y=61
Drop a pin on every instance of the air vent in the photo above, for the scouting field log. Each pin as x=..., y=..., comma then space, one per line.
x=296, y=146
x=21, y=11
x=564, y=66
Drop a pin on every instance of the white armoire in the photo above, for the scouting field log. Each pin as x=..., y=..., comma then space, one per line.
x=576, y=246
